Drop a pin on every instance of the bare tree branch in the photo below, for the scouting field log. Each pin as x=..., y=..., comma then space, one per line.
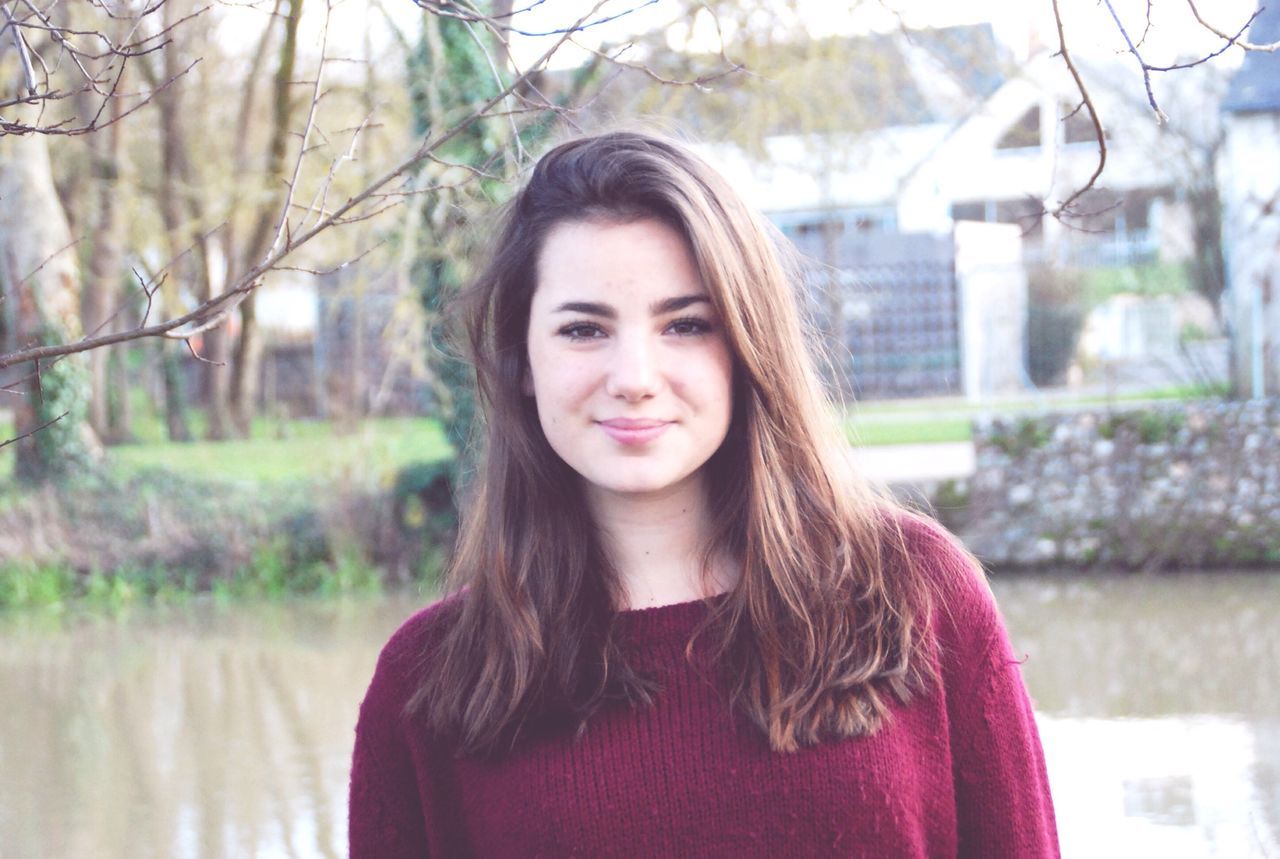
x=283, y=224
x=1248, y=46
x=1146, y=70
x=697, y=83
x=213, y=312
x=34, y=430
x=24, y=54
x=1063, y=209
x=451, y=9
x=78, y=69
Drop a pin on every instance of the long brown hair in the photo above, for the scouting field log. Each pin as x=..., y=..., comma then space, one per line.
x=825, y=624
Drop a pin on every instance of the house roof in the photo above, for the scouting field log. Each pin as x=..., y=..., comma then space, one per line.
x=1256, y=87
x=825, y=85
x=911, y=77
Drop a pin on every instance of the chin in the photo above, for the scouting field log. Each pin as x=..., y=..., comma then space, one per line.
x=638, y=484
x=633, y=487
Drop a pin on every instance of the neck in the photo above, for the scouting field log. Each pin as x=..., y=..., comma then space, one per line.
x=657, y=542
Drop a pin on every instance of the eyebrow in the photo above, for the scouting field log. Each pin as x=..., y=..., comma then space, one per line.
x=667, y=305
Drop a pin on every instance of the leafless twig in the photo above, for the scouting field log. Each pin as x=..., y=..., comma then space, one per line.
x=78, y=68
x=1148, y=68
x=33, y=431
x=24, y=54
x=1064, y=208
x=1248, y=46
x=213, y=312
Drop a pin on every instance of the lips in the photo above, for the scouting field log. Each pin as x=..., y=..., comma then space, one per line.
x=634, y=431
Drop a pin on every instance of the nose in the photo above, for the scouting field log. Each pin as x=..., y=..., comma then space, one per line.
x=633, y=374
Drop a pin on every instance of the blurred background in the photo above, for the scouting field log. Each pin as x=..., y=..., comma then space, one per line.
x=1040, y=246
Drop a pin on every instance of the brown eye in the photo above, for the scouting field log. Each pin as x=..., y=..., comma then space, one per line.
x=690, y=327
x=582, y=331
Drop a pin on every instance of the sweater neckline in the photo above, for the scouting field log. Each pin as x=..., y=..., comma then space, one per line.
x=663, y=623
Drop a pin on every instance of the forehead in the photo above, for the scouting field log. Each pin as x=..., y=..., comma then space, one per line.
x=609, y=258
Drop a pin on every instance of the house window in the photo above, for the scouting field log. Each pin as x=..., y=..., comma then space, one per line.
x=969, y=211
x=836, y=222
x=1077, y=127
x=813, y=228
x=1023, y=134
x=1026, y=213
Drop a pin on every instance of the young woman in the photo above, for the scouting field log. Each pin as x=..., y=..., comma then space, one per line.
x=681, y=626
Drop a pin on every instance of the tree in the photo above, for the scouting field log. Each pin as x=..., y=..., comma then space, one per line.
x=473, y=140
x=39, y=278
x=310, y=195
x=1134, y=41
x=453, y=69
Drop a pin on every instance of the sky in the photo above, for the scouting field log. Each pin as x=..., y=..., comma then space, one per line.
x=1089, y=25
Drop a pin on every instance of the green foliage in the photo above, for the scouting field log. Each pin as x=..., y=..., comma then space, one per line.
x=305, y=450
x=424, y=507
x=1026, y=434
x=26, y=585
x=159, y=536
x=450, y=77
x=1099, y=284
x=63, y=398
x=865, y=431
x=55, y=587
x=348, y=574
x=950, y=495
x=279, y=569
x=1149, y=426
x=1055, y=318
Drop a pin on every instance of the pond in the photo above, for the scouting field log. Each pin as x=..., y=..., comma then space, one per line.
x=225, y=731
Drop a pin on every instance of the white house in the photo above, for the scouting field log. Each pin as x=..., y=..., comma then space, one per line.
x=1250, y=182
x=997, y=158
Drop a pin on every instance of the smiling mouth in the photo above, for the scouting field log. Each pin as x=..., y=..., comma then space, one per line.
x=633, y=431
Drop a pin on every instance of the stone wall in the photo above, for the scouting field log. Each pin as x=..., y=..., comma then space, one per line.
x=1192, y=484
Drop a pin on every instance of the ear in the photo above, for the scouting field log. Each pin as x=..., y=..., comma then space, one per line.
x=526, y=382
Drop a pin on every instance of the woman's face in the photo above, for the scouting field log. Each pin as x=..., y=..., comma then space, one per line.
x=628, y=365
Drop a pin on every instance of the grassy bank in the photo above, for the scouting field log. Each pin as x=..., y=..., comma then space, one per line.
x=292, y=450
x=278, y=452
x=301, y=507
x=269, y=575
x=949, y=419
x=162, y=535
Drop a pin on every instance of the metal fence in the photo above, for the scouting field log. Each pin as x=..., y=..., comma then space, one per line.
x=888, y=303
x=914, y=315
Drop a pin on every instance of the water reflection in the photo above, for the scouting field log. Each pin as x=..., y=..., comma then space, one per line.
x=1159, y=706
x=226, y=732
x=210, y=732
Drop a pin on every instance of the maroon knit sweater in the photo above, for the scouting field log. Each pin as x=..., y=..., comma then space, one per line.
x=956, y=772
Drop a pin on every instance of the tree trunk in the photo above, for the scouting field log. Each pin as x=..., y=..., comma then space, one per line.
x=248, y=355
x=175, y=413
x=39, y=279
x=182, y=211
x=101, y=298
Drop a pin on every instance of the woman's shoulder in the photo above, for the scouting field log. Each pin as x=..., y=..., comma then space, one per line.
x=963, y=611
x=409, y=645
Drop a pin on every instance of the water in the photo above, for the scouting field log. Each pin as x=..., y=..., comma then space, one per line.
x=1159, y=707
x=209, y=731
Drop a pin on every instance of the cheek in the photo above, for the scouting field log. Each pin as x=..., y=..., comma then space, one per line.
x=720, y=376
x=709, y=383
x=559, y=387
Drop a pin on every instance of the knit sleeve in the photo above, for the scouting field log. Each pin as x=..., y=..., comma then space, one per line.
x=1003, y=805
x=385, y=816
x=1002, y=800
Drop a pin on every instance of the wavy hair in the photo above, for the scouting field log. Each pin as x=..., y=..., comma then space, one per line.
x=825, y=624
